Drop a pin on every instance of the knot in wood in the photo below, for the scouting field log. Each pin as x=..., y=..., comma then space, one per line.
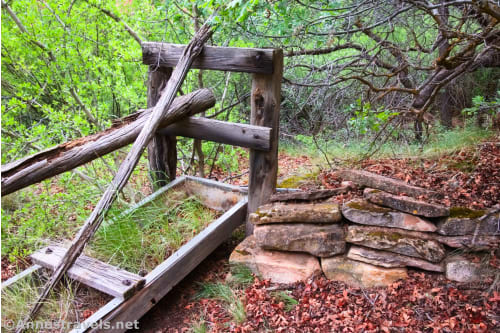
x=48, y=250
x=126, y=282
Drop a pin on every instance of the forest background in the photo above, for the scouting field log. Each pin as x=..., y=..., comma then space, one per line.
x=360, y=77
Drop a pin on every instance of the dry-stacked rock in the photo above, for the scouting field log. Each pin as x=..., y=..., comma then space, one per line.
x=286, y=235
x=310, y=228
x=369, y=242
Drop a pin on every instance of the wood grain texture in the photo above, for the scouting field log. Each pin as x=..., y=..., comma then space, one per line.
x=69, y=155
x=165, y=276
x=235, y=59
x=160, y=112
x=265, y=103
x=162, y=150
x=92, y=272
x=243, y=135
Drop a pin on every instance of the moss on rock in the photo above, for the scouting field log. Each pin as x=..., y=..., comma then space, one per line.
x=463, y=212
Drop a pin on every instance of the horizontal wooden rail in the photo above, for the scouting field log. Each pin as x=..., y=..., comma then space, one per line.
x=233, y=59
x=69, y=155
x=243, y=135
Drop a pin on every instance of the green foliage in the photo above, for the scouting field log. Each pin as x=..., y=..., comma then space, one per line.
x=366, y=119
x=479, y=103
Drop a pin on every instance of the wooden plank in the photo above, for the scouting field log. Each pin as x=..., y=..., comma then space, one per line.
x=265, y=103
x=235, y=59
x=92, y=272
x=162, y=150
x=69, y=155
x=243, y=135
x=28, y=271
x=95, y=319
x=165, y=276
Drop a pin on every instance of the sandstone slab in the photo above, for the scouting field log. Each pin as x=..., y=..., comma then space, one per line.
x=364, y=212
x=321, y=240
x=395, y=186
x=398, y=241
x=360, y=274
x=460, y=269
x=405, y=204
x=463, y=221
x=389, y=259
x=278, y=212
x=277, y=266
x=470, y=242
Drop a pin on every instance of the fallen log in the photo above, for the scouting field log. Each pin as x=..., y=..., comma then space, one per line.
x=69, y=155
x=160, y=112
x=395, y=186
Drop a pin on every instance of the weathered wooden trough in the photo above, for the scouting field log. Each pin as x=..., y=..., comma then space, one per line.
x=135, y=295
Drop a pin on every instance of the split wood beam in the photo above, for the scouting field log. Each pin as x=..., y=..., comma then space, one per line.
x=64, y=157
x=265, y=110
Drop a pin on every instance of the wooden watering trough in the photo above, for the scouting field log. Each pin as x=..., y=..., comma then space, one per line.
x=135, y=295
x=134, y=298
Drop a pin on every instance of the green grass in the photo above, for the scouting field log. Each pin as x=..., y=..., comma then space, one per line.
x=144, y=238
x=241, y=275
x=198, y=326
x=222, y=292
x=62, y=305
x=440, y=142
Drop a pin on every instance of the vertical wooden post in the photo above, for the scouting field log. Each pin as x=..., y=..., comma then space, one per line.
x=265, y=110
x=162, y=151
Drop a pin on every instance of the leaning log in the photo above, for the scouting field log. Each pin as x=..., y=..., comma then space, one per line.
x=69, y=155
x=160, y=112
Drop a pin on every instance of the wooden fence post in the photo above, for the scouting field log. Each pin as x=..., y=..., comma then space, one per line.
x=162, y=150
x=265, y=109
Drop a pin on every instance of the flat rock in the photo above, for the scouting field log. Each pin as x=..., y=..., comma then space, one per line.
x=462, y=270
x=407, y=243
x=279, y=212
x=277, y=266
x=395, y=186
x=360, y=274
x=463, y=221
x=364, y=212
x=470, y=242
x=405, y=204
x=389, y=259
x=321, y=240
